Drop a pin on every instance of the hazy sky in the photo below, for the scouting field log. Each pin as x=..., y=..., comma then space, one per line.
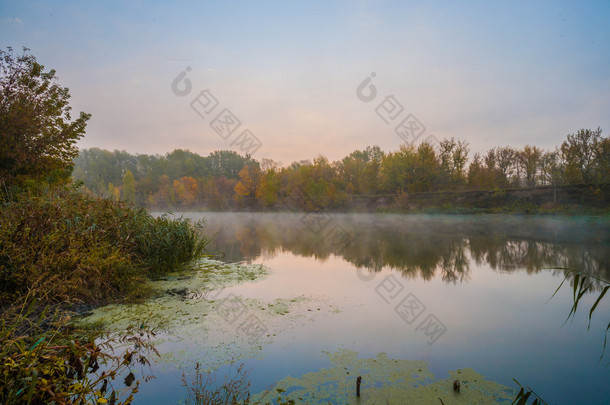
x=491, y=73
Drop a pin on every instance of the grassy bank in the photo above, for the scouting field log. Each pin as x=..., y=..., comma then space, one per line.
x=569, y=200
x=61, y=251
x=576, y=199
x=70, y=248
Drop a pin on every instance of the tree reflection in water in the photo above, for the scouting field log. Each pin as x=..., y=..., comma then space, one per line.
x=420, y=246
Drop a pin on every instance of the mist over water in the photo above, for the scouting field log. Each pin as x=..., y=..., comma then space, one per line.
x=484, y=279
x=418, y=245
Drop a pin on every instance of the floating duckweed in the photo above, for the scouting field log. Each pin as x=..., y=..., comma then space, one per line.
x=387, y=380
x=193, y=319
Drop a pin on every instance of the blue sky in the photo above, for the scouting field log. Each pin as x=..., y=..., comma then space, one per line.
x=490, y=73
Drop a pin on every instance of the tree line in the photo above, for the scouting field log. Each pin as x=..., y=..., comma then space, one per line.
x=226, y=180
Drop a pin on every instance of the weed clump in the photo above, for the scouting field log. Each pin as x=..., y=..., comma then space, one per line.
x=71, y=248
x=59, y=251
x=44, y=360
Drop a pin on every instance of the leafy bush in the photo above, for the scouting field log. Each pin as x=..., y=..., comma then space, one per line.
x=59, y=249
x=70, y=248
x=43, y=361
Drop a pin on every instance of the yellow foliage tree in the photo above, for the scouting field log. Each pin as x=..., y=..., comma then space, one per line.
x=249, y=178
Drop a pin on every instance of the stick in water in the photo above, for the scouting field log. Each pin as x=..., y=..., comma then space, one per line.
x=358, y=382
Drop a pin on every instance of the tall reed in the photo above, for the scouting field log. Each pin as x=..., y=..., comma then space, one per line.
x=67, y=247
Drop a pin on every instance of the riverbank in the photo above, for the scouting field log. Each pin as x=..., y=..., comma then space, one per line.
x=579, y=199
x=62, y=252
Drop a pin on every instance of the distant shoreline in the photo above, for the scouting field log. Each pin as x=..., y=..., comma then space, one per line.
x=570, y=200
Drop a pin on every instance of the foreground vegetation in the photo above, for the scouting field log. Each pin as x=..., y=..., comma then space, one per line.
x=65, y=247
x=62, y=251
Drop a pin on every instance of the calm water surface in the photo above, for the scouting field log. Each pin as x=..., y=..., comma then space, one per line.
x=457, y=292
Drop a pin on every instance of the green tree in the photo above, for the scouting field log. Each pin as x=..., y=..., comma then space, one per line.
x=551, y=170
x=38, y=133
x=115, y=192
x=453, y=156
x=481, y=174
x=398, y=169
x=506, y=168
x=352, y=172
x=267, y=191
x=374, y=156
x=584, y=154
x=129, y=187
x=227, y=163
x=603, y=160
x=530, y=161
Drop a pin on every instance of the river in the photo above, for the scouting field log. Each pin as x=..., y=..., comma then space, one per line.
x=459, y=295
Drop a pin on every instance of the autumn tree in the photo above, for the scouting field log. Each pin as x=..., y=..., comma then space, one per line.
x=186, y=190
x=114, y=192
x=165, y=195
x=352, y=172
x=481, y=172
x=268, y=189
x=396, y=169
x=425, y=173
x=245, y=188
x=321, y=184
x=179, y=190
x=38, y=133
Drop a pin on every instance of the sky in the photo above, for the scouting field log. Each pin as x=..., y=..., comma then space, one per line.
x=286, y=80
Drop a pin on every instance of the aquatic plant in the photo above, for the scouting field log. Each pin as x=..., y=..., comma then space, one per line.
x=44, y=360
x=203, y=390
x=524, y=395
x=584, y=283
x=384, y=380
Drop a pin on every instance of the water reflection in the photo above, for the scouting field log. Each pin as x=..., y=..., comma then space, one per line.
x=420, y=246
